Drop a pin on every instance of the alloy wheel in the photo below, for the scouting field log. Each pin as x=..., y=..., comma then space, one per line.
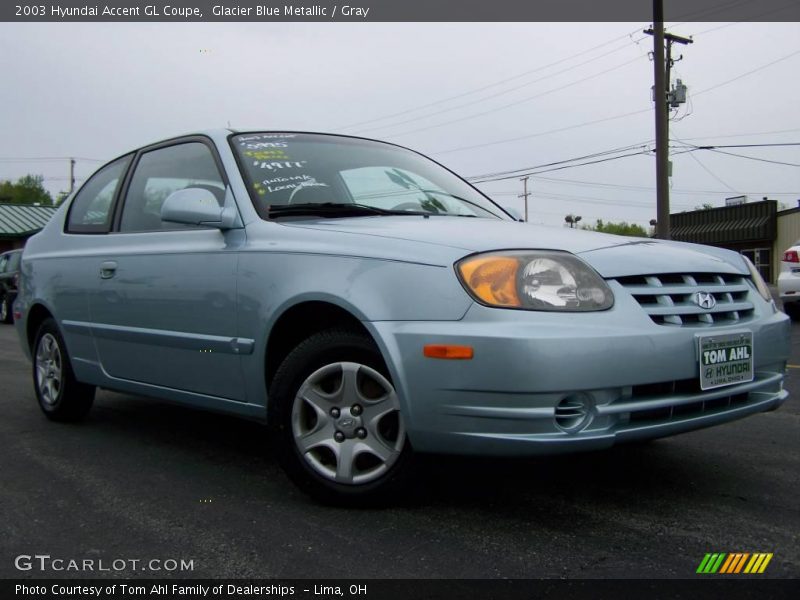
x=346, y=423
x=48, y=369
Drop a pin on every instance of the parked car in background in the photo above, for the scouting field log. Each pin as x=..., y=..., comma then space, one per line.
x=789, y=281
x=368, y=304
x=9, y=278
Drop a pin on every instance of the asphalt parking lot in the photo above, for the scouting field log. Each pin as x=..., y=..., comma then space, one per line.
x=143, y=480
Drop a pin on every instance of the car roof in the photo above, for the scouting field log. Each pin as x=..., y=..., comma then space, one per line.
x=221, y=134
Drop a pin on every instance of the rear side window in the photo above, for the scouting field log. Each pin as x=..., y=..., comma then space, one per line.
x=91, y=209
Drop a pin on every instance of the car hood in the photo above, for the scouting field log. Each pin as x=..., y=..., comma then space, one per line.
x=610, y=255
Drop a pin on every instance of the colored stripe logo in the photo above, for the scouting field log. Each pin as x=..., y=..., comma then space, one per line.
x=734, y=563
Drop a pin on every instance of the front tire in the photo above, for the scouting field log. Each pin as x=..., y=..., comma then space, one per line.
x=61, y=397
x=336, y=421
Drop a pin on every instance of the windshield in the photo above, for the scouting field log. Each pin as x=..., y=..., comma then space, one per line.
x=302, y=170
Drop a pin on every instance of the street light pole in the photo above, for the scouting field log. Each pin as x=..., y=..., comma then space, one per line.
x=525, y=195
x=662, y=123
x=661, y=75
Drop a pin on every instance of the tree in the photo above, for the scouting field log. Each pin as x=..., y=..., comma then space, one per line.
x=704, y=206
x=622, y=228
x=28, y=189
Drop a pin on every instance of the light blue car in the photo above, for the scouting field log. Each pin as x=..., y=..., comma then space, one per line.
x=363, y=300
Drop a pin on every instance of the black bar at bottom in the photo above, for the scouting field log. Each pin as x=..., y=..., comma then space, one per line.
x=705, y=586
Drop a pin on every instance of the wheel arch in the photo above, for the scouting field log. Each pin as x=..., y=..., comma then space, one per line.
x=37, y=314
x=300, y=321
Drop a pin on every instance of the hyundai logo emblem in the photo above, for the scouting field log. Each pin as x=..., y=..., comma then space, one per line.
x=705, y=300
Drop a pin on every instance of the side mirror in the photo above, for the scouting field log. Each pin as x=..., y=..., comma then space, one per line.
x=198, y=206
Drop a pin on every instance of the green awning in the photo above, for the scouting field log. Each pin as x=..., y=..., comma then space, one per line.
x=23, y=220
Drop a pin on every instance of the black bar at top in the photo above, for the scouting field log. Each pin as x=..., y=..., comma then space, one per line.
x=634, y=11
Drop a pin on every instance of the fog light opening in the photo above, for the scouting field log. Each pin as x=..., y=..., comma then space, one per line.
x=574, y=413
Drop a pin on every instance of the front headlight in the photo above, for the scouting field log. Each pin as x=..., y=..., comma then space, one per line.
x=534, y=280
x=761, y=285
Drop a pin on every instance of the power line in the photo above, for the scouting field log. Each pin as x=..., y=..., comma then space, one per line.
x=717, y=28
x=765, y=160
x=694, y=148
x=644, y=149
x=709, y=10
x=748, y=73
x=596, y=184
x=560, y=213
x=734, y=135
x=586, y=199
x=542, y=133
x=503, y=92
x=593, y=162
x=560, y=162
x=615, y=117
x=516, y=102
x=46, y=158
x=643, y=145
x=707, y=170
x=750, y=18
x=491, y=85
x=709, y=147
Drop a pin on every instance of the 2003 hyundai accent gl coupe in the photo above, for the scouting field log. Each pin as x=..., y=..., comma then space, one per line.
x=363, y=300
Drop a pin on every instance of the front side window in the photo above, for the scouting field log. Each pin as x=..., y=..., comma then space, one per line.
x=90, y=211
x=161, y=172
x=285, y=169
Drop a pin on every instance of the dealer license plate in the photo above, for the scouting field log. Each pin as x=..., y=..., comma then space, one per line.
x=725, y=359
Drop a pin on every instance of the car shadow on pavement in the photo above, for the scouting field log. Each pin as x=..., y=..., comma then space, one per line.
x=650, y=472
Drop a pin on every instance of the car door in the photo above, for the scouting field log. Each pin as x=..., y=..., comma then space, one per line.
x=164, y=311
x=62, y=271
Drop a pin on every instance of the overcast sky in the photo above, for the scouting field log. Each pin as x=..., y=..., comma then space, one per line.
x=458, y=92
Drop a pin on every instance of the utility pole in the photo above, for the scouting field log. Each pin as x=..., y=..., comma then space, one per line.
x=525, y=193
x=661, y=74
x=71, y=175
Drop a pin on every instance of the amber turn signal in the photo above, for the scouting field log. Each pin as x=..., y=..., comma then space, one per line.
x=493, y=279
x=448, y=352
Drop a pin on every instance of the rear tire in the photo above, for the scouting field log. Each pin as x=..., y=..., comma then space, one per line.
x=336, y=423
x=61, y=397
x=6, y=314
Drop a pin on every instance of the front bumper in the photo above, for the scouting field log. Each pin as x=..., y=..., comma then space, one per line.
x=640, y=378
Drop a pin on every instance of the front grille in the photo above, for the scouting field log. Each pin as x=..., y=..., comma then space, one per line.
x=683, y=400
x=679, y=389
x=669, y=299
x=687, y=411
x=666, y=388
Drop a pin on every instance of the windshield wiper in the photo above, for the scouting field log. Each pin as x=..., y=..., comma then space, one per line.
x=330, y=210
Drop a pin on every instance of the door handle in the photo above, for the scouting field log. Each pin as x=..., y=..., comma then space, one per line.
x=108, y=269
